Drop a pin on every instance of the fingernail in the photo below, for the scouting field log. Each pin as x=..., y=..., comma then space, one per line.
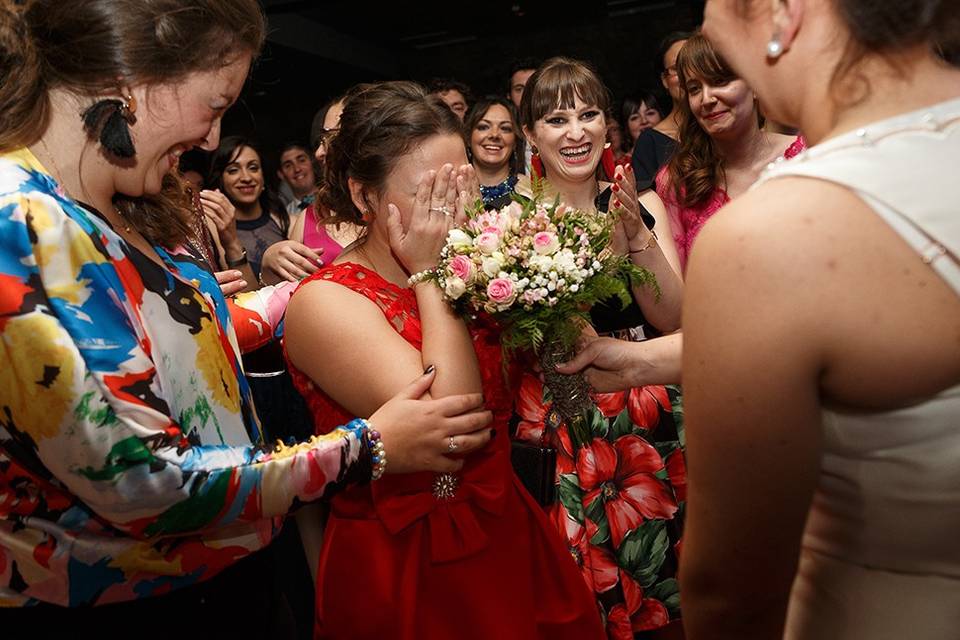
x=429, y=370
x=615, y=187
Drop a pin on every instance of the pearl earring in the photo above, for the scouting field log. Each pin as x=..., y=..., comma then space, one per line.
x=774, y=47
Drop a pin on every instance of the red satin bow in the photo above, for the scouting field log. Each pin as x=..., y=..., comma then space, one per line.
x=455, y=531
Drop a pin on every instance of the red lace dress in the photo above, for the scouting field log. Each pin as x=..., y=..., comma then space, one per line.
x=439, y=556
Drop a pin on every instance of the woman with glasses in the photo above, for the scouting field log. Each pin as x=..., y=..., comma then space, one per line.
x=655, y=145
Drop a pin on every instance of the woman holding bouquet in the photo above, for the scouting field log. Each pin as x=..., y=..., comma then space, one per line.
x=625, y=489
x=453, y=555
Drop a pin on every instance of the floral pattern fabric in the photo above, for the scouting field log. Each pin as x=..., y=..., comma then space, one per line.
x=131, y=458
x=620, y=498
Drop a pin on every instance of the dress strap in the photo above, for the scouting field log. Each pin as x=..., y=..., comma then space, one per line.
x=905, y=170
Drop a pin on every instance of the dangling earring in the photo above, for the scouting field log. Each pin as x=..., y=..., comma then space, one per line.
x=774, y=47
x=108, y=121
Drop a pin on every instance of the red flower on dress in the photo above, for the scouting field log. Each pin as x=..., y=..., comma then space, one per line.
x=644, y=404
x=597, y=565
x=610, y=404
x=677, y=471
x=618, y=623
x=645, y=613
x=622, y=475
x=531, y=409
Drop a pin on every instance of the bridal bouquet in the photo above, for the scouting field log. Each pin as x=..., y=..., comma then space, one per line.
x=537, y=268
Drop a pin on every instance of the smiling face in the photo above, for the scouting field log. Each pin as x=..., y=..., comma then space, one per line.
x=173, y=118
x=493, y=139
x=297, y=170
x=243, y=177
x=401, y=184
x=723, y=107
x=570, y=140
x=643, y=118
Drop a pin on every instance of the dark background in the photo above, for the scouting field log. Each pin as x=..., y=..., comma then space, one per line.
x=318, y=48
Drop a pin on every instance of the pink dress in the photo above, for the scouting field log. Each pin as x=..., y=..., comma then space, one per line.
x=316, y=237
x=686, y=222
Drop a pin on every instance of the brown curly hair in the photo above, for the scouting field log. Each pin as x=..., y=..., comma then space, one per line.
x=696, y=168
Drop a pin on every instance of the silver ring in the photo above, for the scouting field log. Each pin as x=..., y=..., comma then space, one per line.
x=445, y=210
x=452, y=446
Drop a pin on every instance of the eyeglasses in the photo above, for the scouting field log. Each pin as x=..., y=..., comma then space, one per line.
x=325, y=136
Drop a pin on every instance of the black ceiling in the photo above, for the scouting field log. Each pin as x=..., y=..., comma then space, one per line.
x=318, y=48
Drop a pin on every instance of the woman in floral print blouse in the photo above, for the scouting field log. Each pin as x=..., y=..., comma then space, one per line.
x=131, y=459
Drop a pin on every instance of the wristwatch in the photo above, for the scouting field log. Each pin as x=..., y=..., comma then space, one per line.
x=239, y=262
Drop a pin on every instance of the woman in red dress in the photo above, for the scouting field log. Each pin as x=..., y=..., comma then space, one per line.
x=466, y=554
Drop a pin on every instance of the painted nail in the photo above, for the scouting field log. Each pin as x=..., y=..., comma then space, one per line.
x=429, y=369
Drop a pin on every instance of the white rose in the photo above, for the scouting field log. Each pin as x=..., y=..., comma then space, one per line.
x=458, y=238
x=455, y=287
x=491, y=266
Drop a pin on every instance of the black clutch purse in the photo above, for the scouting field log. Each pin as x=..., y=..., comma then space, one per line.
x=536, y=466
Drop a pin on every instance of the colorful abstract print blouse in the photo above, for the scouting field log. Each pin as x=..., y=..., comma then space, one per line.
x=131, y=460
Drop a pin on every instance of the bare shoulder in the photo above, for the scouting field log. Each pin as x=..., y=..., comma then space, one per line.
x=788, y=228
x=812, y=258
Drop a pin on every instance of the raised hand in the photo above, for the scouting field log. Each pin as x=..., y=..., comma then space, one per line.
x=631, y=232
x=218, y=208
x=417, y=243
x=289, y=260
x=468, y=191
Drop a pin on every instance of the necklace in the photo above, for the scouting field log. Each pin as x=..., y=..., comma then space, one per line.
x=499, y=190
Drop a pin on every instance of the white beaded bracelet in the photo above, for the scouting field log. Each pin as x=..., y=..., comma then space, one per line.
x=420, y=276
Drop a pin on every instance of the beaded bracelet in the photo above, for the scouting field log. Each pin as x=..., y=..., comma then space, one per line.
x=370, y=438
x=420, y=276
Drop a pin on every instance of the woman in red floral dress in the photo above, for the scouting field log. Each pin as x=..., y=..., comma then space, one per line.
x=464, y=554
x=620, y=497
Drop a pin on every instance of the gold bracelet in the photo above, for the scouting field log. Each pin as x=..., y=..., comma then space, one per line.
x=651, y=241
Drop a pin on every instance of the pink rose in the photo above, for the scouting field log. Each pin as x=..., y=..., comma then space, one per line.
x=501, y=291
x=488, y=242
x=463, y=268
x=545, y=243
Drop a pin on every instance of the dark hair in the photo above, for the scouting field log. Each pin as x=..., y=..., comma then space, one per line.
x=696, y=168
x=520, y=64
x=668, y=41
x=476, y=114
x=556, y=84
x=442, y=85
x=195, y=160
x=884, y=27
x=90, y=46
x=295, y=144
x=316, y=126
x=381, y=123
x=631, y=105
x=231, y=147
